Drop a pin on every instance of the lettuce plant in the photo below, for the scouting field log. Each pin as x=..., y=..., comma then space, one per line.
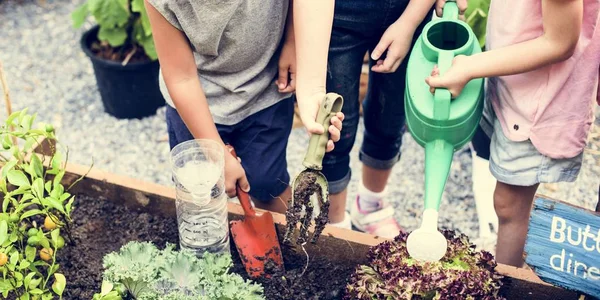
x=147, y=273
x=391, y=273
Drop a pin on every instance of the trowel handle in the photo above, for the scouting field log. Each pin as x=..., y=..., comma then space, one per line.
x=242, y=196
x=442, y=97
x=317, y=146
x=450, y=10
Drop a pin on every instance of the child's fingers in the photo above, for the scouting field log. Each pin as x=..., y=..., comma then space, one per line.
x=282, y=80
x=330, y=146
x=383, y=44
x=340, y=116
x=334, y=133
x=336, y=122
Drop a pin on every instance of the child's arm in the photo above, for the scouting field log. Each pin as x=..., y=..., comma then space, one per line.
x=286, y=82
x=562, y=24
x=313, y=20
x=398, y=37
x=181, y=77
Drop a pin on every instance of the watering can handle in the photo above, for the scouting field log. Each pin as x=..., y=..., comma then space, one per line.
x=442, y=97
x=451, y=10
x=242, y=196
x=331, y=105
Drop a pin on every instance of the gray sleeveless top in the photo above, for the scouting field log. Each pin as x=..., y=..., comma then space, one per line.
x=236, y=48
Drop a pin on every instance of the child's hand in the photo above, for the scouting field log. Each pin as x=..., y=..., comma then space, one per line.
x=454, y=79
x=286, y=82
x=234, y=174
x=462, y=7
x=396, y=40
x=309, y=107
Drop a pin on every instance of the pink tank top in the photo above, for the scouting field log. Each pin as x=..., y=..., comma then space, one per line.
x=552, y=106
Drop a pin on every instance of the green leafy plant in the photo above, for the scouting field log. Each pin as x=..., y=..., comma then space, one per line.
x=146, y=273
x=391, y=273
x=36, y=210
x=123, y=24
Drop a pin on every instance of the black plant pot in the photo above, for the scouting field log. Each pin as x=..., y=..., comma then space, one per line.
x=127, y=92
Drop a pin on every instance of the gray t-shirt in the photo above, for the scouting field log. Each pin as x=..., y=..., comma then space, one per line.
x=235, y=46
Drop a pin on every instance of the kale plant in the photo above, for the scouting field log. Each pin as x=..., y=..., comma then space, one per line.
x=147, y=273
x=462, y=273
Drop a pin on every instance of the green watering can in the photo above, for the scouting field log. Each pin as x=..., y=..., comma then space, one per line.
x=437, y=122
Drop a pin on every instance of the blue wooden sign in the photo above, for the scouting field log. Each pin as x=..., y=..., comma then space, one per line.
x=563, y=246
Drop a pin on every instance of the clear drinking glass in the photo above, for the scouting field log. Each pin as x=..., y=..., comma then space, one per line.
x=198, y=173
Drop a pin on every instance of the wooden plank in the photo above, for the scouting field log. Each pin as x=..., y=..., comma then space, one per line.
x=563, y=245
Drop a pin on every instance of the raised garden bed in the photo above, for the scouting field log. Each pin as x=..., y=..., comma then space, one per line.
x=112, y=210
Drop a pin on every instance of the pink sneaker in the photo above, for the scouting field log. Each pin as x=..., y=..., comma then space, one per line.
x=379, y=222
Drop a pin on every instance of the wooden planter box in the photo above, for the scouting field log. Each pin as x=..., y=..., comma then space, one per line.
x=338, y=244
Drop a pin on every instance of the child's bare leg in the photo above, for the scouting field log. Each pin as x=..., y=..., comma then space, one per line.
x=513, y=206
x=375, y=180
x=278, y=204
x=337, y=207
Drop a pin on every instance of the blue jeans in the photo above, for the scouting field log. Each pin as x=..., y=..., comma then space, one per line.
x=260, y=141
x=357, y=28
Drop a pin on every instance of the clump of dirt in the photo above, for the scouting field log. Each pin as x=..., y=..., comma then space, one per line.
x=320, y=279
x=303, y=190
x=119, y=54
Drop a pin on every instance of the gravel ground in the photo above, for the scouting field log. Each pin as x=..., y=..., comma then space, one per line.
x=48, y=72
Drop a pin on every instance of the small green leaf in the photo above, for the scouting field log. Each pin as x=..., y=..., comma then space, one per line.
x=30, y=213
x=17, y=178
x=25, y=122
x=79, y=15
x=3, y=231
x=6, y=202
x=13, y=236
x=54, y=235
x=25, y=296
x=21, y=190
x=114, y=36
x=38, y=187
x=28, y=278
x=3, y=185
x=64, y=197
x=44, y=242
x=8, y=166
x=54, y=203
x=36, y=165
x=60, y=282
x=36, y=292
x=30, y=253
x=34, y=283
x=69, y=205
x=48, y=186
x=11, y=118
x=58, y=178
x=24, y=265
x=14, y=258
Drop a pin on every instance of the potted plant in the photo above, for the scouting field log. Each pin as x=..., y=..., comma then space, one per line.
x=122, y=53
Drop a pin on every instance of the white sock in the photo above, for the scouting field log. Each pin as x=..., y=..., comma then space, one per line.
x=368, y=200
x=346, y=223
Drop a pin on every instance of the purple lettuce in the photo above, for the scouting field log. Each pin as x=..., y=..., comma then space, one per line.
x=462, y=273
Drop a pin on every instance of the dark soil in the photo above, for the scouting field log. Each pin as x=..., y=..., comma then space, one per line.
x=119, y=54
x=306, y=187
x=102, y=226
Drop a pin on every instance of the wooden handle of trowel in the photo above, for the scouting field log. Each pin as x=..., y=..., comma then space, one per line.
x=244, y=197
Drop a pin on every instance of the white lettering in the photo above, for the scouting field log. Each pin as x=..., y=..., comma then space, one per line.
x=591, y=272
x=577, y=264
x=556, y=230
x=597, y=239
x=587, y=234
x=569, y=263
x=561, y=257
x=571, y=241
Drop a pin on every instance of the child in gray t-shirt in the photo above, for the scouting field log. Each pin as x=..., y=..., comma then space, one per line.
x=227, y=73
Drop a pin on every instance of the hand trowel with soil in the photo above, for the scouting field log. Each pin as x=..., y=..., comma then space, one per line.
x=255, y=238
x=311, y=181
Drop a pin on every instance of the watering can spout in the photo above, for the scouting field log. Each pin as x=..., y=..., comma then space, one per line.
x=438, y=158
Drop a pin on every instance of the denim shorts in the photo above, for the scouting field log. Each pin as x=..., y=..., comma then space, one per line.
x=260, y=141
x=520, y=163
x=357, y=28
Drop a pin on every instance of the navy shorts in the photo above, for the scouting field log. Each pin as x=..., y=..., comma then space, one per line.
x=260, y=141
x=357, y=28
